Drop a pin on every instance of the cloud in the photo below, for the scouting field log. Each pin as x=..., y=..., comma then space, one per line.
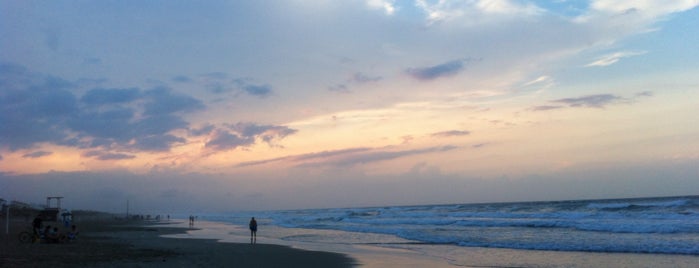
x=204, y=130
x=36, y=108
x=33, y=108
x=342, y=88
x=507, y=7
x=361, y=78
x=357, y=78
x=267, y=133
x=37, y=154
x=646, y=8
x=161, y=142
x=225, y=140
x=100, y=96
x=433, y=72
x=451, y=133
x=163, y=101
x=246, y=134
x=593, y=101
x=590, y=101
x=307, y=157
x=107, y=155
x=479, y=145
x=258, y=90
x=645, y=94
x=546, y=107
x=253, y=89
x=376, y=156
x=348, y=157
x=388, y=6
x=474, y=11
x=610, y=59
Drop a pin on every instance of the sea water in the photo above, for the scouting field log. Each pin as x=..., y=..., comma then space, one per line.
x=663, y=225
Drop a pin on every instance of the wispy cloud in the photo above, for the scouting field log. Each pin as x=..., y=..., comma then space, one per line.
x=258, y=90
x=590, y=101
x=357, y=78
x=612, y=58
x=307, y=157
x=433, y=72
x=37, y=154
x=594, y=101
x=361, y=78
x=377, y=156
x=388, y=6
x=101, y=155
x=451, y=133
x=646, y=8
x=349, y=157
x=546, y=107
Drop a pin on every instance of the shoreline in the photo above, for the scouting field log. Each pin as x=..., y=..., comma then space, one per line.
x=119, y=243
x=406, y=254
x=112, y=243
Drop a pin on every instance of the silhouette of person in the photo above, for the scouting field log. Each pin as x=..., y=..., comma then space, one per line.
x=253, y=231
x=36, y=225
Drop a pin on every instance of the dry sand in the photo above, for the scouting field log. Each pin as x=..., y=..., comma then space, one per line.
x=115, y=243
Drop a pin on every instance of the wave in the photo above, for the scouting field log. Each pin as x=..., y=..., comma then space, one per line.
x=625, y=205
x=651, y=225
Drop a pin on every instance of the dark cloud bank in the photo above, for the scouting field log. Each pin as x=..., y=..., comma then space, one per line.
x=112, y=123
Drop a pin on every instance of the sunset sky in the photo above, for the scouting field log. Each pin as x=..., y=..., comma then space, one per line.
x=206, y=106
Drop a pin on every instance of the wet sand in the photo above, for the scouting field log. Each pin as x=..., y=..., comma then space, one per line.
x=113, y=243
x=369, y=253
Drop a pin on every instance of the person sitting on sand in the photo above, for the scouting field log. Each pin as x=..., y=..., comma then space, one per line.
x=45, y=233
x=53, y=236
x=253, y=231
x=73, y=233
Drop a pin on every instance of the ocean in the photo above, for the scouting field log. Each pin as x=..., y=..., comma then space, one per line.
x=661, y=225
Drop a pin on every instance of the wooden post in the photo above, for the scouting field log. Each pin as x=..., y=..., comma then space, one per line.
x=7, y=219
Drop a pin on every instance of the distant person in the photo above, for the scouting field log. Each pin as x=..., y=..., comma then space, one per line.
x=253, y=231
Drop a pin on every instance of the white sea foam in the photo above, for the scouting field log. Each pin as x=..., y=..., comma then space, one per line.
x=651, y=225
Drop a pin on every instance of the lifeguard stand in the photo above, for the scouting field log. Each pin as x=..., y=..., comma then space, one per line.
x=51, y=213
x=58, y=202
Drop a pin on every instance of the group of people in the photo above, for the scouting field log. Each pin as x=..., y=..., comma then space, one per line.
x=52, y=234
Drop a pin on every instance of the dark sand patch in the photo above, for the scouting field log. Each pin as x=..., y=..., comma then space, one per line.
x=114, y=243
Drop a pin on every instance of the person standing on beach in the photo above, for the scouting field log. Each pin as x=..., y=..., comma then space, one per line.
x=253, y=231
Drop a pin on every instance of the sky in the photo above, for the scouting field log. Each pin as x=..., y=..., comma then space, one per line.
x=216, y=106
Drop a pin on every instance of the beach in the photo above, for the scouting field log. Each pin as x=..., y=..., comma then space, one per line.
x=118, y=243
x=109, y=242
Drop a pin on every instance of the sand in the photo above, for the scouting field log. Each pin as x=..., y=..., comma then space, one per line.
x=118, y=243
